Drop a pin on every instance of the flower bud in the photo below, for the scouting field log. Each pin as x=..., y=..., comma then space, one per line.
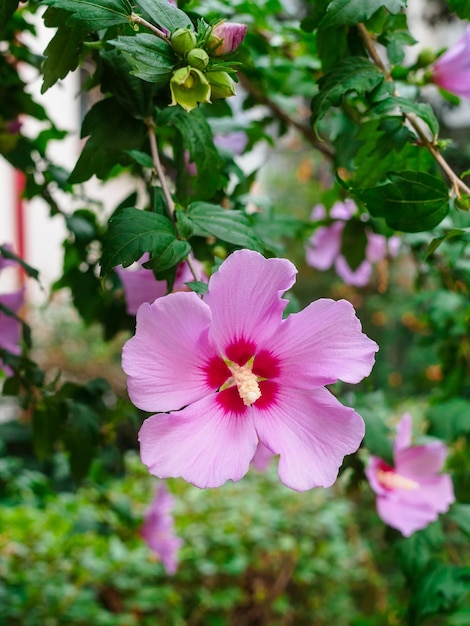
x=183, y=40
x=198, y=58
x=222, y=86
x=189, y=86
x=226, y=37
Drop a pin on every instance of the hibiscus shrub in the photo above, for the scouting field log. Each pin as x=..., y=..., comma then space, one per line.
x=329, y=345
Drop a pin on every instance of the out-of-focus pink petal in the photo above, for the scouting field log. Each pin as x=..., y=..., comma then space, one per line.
x=394, y=245
x=140, y=286
x=263, y=456
x=324, y=246
x=165, y=358
x=318, y=213
x=158, y=529
x=202, y=443
x=404, y=431
x=358, y=277
x=343, y=210
x=414, y=509
x=418, y=461
x=375, y=464
x=312, y=432
x=322, y=344
x=451, y=71
x=234, y=142
x=245, y=298
x=376, y=248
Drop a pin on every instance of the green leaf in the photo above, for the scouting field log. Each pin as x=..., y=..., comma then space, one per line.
x=454, y=233
x=354, y=74
x=168, y=257
x=461, y=7
x=7, y=8
x=411, y=201
x=165, y=14
x=94, y=14
x=197, y=286
x=353, y=243
x=8, y=254
x=460, y=515
x=112, y=132
x=231, y=226
x=450, y=420
x=63, y=51
x=133, y=94
x=422, y=110
x=131, y=233
x=198, y=140
x=347, y=12
x=142, y=158
x=441, y=589
x=151, y=58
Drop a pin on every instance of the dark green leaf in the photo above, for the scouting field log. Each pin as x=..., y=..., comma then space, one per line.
x=454, y=233
x=5, y=252
x=345, y=12
x=461, y=7
x=151, y=58
x=168, y=257
x=112, y=132
x=133, y=232
x=142, y=158
x=422, y=110
x=185, y=225
x=354, y=74
x=441, y=589
x=460, y=515
x=7, y=8
x=353, y=243
x=197, y=139
x=62, y=54
x=47, y=421
x=134, y=95
x=165, y=14
x=228, y=225
x=450, y=420
x=411, y=201
x=197, y=286
x=95, y=14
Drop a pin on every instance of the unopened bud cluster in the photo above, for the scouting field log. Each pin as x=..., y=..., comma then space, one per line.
x=195, y=81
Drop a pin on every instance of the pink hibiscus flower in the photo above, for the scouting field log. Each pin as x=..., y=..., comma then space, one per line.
x=324, y=247
x=158, y=529
x=227, y=372
x=411, y=494
x=140, y=285
x=10, y=328
x=451, y=71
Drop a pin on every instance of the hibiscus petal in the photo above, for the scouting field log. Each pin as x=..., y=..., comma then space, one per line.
x=404, y=432
x=324, y=246
x=414, y=509
x=321, y=344
x=245, y=297
x=358, y=277
x=165, y=358
x=140, y=286
x=203, y=443
x=419, y=461
x=312, y=432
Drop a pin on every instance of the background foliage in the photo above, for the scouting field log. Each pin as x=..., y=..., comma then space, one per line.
x=334, y=118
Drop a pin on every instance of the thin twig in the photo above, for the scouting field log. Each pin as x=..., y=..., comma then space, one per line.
x=156, y=31
x=457, y=184
x=304, y=130
x=164, y=183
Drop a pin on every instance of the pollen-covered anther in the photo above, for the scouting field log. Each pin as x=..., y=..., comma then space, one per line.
x=246, y=382
x=392, y=480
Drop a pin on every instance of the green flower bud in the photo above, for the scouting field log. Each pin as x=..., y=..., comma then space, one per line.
x=183, y=40
x=198, y=58
x=189, y=86
x=222, y=86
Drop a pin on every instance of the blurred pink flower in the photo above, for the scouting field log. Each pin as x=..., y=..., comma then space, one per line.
x=158, y=530
x=9, y=326
x=323, y=250
x=451, y=71
x=263, y=456
x=140, y=285
x=226, y=37
x=226, y=372
x=411, y=494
